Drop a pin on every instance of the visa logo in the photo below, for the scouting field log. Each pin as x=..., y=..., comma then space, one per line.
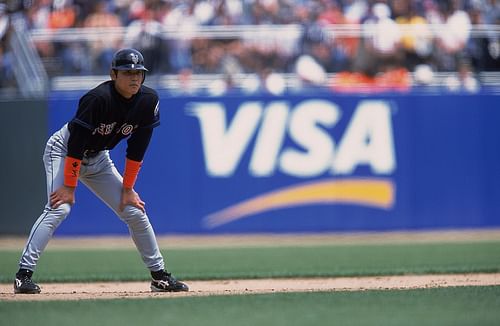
x=367, y=140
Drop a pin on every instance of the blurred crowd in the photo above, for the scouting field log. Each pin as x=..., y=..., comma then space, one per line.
x=396, y=37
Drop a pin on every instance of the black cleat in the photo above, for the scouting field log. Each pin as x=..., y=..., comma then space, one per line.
x=24, y=284
x=168, y=283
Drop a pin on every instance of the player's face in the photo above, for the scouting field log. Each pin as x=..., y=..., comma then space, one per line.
x=127, y=82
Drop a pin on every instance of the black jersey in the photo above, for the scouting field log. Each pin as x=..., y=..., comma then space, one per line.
x=104, y=118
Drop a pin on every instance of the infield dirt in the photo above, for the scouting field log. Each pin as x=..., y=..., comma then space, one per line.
x=83, y=291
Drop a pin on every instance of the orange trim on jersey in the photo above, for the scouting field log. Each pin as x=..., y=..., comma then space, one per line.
x=131, y=171
x=71, y=171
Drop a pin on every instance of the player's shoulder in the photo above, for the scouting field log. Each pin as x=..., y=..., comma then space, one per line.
x=148, y=97
x=101, y=91
x=149, y=92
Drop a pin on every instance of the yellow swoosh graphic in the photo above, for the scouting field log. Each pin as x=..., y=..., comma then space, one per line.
x=370, y=192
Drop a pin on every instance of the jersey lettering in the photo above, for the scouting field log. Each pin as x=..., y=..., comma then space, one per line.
x=104, y=129
x=126, y=129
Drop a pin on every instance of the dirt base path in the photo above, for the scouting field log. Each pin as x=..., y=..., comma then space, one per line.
x=84, y=291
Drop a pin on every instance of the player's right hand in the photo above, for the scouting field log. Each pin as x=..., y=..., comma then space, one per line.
x=130, y=197
x=61, y=196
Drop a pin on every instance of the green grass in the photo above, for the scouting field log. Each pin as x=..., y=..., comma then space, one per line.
x=261, y=262
x=443, y=306
x=446, y=306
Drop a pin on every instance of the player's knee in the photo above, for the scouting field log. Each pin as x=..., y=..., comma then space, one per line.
x=132, y=215
x=54, y=216
x=61, y=211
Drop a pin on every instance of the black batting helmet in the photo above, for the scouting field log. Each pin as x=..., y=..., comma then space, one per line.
x=128, y=59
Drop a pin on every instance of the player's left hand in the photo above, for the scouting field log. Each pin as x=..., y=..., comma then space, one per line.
x=130, y=197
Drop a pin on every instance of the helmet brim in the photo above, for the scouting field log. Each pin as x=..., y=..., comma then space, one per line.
x=130, y=67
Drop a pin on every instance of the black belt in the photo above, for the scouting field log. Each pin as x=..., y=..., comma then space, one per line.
x=90, y=153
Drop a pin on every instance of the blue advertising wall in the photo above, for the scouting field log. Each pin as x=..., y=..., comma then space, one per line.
x=321, y=163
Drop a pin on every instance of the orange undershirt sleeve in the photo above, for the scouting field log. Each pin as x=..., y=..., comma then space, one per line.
x=131, y=171
x=71, y=171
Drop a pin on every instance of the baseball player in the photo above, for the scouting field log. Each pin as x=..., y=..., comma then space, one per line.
x=116, y=109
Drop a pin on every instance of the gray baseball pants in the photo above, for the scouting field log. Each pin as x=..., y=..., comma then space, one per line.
x=103, y=179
